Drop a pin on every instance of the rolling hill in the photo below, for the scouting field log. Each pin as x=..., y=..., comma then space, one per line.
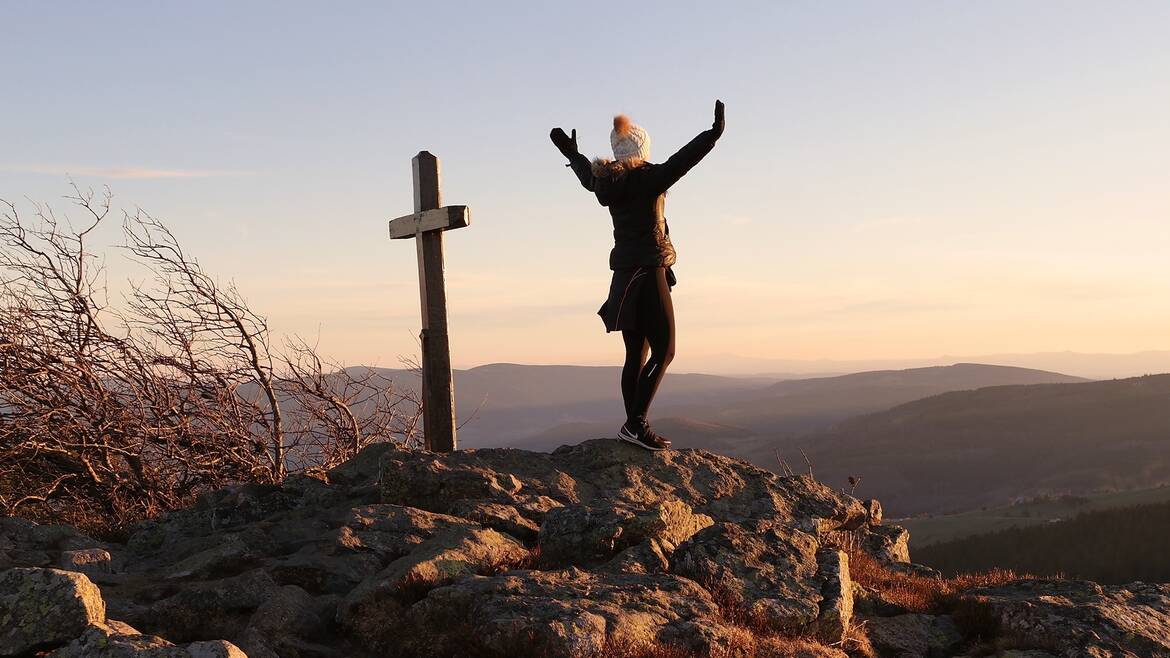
x=700, y=411
x=804, y=404
x=509, y=403
x=968, y=449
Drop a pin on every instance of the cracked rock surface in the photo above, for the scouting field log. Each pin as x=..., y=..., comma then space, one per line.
x=500, y=552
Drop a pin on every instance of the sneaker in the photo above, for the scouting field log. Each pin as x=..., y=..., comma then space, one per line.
x=643, y=437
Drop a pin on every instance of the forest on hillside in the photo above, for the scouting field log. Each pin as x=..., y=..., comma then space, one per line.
x=1112, y=546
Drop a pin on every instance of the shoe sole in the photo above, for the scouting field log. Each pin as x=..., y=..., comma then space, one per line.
x=635, y=441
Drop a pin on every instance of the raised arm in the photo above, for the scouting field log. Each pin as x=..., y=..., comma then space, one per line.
x=688, y=156
x=579, y=163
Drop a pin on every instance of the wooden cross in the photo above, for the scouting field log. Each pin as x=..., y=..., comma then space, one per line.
x=426, y=226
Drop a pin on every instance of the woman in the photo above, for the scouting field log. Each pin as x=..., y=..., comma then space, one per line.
x=639, y=303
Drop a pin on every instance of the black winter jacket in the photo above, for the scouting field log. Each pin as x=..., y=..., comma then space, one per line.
x=635, y=198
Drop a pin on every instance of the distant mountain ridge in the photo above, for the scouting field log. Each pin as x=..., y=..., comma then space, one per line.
x=747, y=422
x=809, y=403
x=1090, y=365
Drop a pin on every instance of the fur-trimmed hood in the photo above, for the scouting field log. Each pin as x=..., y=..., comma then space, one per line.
x=614, y=181
x=606, y=168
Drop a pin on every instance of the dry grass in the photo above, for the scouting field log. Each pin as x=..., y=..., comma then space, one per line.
x=921, y=593
x=744, y=645
x=619, y=649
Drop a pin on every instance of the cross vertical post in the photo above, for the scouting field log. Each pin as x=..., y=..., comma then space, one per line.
x=426, y=226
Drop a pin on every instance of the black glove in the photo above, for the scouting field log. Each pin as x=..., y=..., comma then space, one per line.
x=567, y=145
x=717, y=125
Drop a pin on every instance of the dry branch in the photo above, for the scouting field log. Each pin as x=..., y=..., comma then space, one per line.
x=111, y=415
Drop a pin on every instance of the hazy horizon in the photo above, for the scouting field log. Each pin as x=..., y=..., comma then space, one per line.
x=1089, y=366
x=897, y=182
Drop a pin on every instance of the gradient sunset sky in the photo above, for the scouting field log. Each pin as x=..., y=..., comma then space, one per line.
x=897, y=179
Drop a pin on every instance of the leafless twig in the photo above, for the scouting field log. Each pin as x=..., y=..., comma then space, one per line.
x=109, y=415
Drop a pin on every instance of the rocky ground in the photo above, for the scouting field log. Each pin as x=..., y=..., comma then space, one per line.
x=599, y=549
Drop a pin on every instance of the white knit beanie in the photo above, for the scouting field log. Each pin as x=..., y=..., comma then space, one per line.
x=629, y=140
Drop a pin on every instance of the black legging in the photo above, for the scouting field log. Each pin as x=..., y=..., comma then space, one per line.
x=640, y=378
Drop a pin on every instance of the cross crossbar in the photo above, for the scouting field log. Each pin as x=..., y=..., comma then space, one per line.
x=439, y=219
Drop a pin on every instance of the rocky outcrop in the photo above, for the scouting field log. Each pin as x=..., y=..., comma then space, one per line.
x=594, y=549
x=1078, y=618
x=595, y=543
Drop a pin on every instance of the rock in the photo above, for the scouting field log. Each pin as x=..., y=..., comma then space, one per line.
x=121, y=627
x=290, y=611
x=364, y=470
x=257, y=645
x=836, y=606
x=11, y=527
x=579, y=535
x=87, y=560
x=648, y=557
x=436, y=484
x=214, y=649
x=497, y=516
x=917, y=635
x=108, y=641
x=873, y=510
x=230, y=555
x=215, y=608
x=534, y=507
x=42, y=608
x=455, y=553
x=24, y=558
x=169, y=538
x=391, y=531
x=241, y=504
x=670, y=522
x=24, y=543
x=764, y=568
x=315, y=490
x=289, y=616
x=319, y=573
x=283, y=624
x=1077, y=617
x=50, y=536
x=117, y=640
x=568, y=613
x=888, y=543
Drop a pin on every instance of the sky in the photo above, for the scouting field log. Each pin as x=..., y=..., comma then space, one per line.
x=897, y=179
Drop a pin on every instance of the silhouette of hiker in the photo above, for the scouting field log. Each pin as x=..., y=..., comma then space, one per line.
x=639, y=303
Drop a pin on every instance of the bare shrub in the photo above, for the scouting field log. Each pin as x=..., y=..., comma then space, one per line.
x=109, y=414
